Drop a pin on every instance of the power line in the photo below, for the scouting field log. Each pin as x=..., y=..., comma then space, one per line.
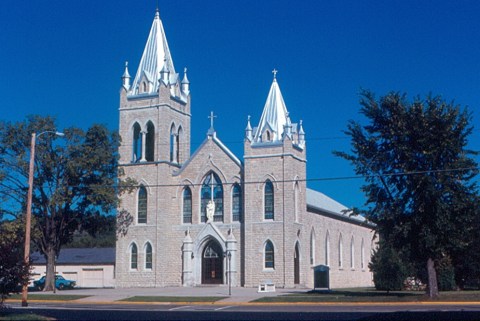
x=338, y=178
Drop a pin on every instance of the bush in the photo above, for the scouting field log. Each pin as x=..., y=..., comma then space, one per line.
x=389, y=271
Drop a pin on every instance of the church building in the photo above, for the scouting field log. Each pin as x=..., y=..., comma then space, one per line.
x=210, y=217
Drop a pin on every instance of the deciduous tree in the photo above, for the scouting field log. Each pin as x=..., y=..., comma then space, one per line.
x=419, y=175
x=75, y=180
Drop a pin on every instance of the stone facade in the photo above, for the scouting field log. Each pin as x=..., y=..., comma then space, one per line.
x=265, y=224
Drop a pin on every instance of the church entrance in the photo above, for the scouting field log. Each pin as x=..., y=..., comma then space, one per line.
x=296, y=265
x=212, y=264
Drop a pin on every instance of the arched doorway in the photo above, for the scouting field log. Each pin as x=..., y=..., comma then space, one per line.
x=212, y=263
x=296, y=265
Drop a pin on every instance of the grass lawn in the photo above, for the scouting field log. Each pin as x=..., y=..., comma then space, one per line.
x=49, y=297
x=26, y=317
x=174, y=299
x=372, y=295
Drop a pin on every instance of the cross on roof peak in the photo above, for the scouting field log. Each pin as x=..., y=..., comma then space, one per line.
x=212, y=116
x=274, y=72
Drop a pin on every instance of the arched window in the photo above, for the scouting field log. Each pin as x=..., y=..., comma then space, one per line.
x=142, y=205
x=327, y=249
x=352, y=253
x=362, y=254
x=295, y=201
x=172, y=142
x=133, y=256
x=312, y=247
x=212, y=190
x=178, y=142
x=187, y=205
x=269, y=199
x=268, y=136
x=148, y=256
x=137, y=143
x=150, y=143
x=340, y=251
x=237, y=203
x=269, y=256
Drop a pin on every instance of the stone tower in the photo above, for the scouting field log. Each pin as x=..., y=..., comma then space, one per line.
x=275, y=195
x=155, y=132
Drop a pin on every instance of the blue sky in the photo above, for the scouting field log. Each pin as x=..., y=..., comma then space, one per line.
x=65, y=58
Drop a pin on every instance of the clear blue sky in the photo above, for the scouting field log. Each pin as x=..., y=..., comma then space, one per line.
x=65, y=58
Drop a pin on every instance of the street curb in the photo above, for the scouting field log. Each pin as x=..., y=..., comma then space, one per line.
x=422, y=303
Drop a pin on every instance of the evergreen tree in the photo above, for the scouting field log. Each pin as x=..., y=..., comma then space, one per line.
x=418, y=174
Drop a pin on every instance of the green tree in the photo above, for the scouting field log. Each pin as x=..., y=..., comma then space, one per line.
x=75, y=180
x=14, y=272
x=389, y=270
x=418, y=174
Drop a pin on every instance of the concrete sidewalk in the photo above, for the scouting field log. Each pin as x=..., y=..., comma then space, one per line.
x=238, y=295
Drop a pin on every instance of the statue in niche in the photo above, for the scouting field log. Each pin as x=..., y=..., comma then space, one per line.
x=210, y=210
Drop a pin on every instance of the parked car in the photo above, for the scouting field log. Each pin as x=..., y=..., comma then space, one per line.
x=60, y=283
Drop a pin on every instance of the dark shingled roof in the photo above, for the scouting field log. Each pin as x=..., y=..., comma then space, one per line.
x=85, y=256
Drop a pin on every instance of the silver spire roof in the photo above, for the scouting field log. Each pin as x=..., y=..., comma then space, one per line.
x=155, y=56
x=274, y=115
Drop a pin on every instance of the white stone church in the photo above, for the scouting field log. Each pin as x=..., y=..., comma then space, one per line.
x=210, y=217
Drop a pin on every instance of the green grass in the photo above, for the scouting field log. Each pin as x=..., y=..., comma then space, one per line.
x=174, y=299
x=371, y=295
x=49, y=297
x=23, y=316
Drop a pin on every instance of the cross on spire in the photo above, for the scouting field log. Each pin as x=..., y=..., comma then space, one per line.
x=212, y=116
x=274, y=72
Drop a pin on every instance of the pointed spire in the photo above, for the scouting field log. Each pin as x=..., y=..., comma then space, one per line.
x=165, y=73
x=185, y=83
x=287, y=128
x=301, y=135
x=248, y=130
x=156, y=56
x=274, y=115
x=126, y=77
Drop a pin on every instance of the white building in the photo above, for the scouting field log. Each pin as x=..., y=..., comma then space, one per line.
x=211, y=217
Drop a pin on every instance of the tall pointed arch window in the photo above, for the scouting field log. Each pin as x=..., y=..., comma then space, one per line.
x=237, y=203
x=133, y=256
x=352, y=253
x=150, y=142
x=148, y=256
x=172, y=142
x=178, y=141
x=312, y=247
x=137, y=143
x=142, y=205
x=187, y=205
x=269, y=255
x=362, y=255
x=212, y=190
x=268, y=200
x=295, y=201
x=340, y=251
x=327, y=249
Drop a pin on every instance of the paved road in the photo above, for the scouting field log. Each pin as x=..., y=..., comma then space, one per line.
x=250, y=312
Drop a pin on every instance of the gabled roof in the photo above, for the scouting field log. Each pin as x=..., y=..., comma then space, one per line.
x=320, y=202
x=274, y=115
x=80, y=256
x=156, y=56
x=218, y=142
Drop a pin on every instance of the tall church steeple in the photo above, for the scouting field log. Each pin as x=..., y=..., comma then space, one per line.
x=156, y=57
x=274, y=116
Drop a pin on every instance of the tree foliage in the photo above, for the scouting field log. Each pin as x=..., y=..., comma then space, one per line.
x=14, y=272
x=389, y=270
x=419, y=175
x=75, y=179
